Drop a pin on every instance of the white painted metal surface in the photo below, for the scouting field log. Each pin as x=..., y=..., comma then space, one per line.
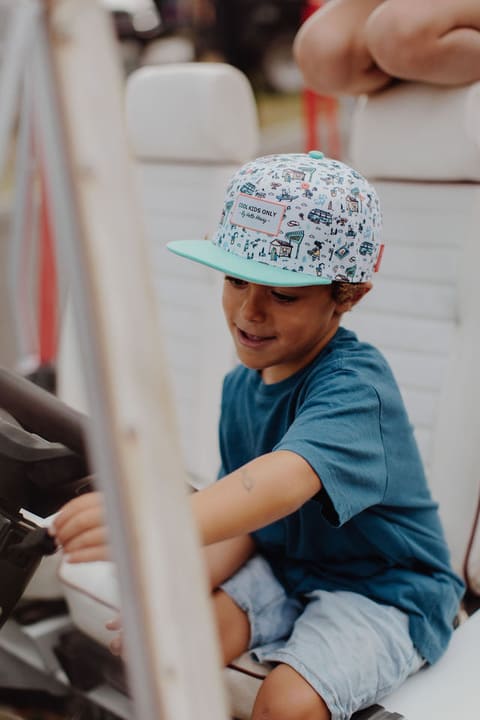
x=173, y=661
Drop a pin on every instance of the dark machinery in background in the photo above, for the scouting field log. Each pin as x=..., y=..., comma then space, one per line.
x=43, y=464
x=255, y=36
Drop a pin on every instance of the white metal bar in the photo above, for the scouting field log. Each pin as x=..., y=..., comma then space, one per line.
x=15, y=44
x=22, y=244
x=172, y=658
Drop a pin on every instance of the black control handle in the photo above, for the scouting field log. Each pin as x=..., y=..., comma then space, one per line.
x=40, y=412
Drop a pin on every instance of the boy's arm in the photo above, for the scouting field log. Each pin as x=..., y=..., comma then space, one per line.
x=264, y=490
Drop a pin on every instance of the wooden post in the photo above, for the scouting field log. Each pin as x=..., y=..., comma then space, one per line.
x=172, y=657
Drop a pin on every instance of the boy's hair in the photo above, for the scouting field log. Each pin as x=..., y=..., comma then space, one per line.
x=343, y=292
x=294, y=220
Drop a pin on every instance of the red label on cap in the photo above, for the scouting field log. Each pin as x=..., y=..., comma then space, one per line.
x=379, y=258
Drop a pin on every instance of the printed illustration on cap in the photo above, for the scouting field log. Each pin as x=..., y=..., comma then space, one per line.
x=305, y=214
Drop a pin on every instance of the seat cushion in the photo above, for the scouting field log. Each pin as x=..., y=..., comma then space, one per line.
x=92, y=595
x=418, y=132
x=195, y=112
x=449, y=689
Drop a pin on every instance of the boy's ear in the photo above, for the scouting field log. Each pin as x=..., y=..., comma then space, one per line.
x=350, y=295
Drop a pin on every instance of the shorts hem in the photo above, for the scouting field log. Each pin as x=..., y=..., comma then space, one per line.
x=283, y=656
x=246, y=607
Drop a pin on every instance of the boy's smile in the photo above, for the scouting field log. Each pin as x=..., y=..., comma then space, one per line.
x=279, y=330
x=250, y=340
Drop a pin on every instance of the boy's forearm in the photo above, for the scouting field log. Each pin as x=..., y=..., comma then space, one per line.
x=260, y=492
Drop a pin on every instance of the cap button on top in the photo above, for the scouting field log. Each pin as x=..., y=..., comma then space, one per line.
x=316, y=154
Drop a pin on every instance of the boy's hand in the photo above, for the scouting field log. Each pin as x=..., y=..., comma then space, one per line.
x=116, y=645
x=80, y=531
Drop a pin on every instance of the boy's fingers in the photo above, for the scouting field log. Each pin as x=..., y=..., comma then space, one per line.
x=88, y=555
x=114, y=624
x=77, y=524
x=88, y=501
x=116, y=646
x=89, y=539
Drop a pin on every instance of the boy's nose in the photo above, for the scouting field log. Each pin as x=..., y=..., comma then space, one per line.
x=253, y=307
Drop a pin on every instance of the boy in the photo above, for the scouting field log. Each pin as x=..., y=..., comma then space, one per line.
x=357, y=46
x=325, y=551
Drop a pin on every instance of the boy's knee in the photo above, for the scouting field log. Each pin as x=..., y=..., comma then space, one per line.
x=285, y=695
x=401, y=38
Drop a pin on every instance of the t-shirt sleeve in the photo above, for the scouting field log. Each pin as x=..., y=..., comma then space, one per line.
x=337, y=430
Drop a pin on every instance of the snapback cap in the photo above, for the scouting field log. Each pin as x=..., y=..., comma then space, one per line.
x=294, y=220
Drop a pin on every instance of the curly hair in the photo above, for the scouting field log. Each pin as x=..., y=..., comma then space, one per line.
x=346, y=292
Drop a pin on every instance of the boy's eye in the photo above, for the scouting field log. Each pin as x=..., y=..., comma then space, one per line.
x=236, y=282
x=282, y=297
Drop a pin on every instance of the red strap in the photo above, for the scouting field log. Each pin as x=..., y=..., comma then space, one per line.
x=379, y=258
x=475, y=527
x=47, y=283
x=310, y=7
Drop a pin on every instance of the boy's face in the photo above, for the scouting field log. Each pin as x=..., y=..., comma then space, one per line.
x=279, y=330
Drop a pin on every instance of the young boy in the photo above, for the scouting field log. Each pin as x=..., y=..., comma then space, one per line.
x=326, y=554
x=357, y=46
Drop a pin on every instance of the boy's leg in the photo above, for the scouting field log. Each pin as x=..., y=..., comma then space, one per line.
x=285, y=695
x=233, y=626
x=436, y=41
x=331, y=51
x=252, y=608
x=348, y=649
x=224, y=558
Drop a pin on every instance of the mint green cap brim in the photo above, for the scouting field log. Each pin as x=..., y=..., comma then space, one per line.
x=206, y=253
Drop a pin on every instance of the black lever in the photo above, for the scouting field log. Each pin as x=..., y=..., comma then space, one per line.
x=40, y=412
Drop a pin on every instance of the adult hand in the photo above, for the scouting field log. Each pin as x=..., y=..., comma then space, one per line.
x=80, y=531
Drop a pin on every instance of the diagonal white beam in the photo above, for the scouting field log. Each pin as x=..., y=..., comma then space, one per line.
x=172, y=657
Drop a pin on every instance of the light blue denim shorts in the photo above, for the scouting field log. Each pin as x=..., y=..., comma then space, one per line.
x=350, y=649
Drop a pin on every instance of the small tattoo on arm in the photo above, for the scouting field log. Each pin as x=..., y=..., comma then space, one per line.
x=248, y=481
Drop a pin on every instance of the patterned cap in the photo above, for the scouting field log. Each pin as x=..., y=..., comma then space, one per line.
x=294, y=220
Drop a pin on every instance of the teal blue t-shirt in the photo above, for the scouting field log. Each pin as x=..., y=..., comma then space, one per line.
x=374, y=528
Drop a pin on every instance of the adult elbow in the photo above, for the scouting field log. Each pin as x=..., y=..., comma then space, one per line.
x=323, y=59
x=401, y=43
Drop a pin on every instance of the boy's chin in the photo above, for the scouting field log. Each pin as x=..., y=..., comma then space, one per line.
x=250, y=362
x=252, y=365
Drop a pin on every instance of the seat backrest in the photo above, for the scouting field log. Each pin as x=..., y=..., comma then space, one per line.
x=422, y=311
x=191, y=126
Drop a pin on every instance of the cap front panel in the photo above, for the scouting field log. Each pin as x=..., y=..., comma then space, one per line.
x=310, y=215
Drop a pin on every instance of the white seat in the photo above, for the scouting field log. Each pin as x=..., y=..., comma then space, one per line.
x=191, y=126
x=418, y=132
x=449, y=689
x=421, y=315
